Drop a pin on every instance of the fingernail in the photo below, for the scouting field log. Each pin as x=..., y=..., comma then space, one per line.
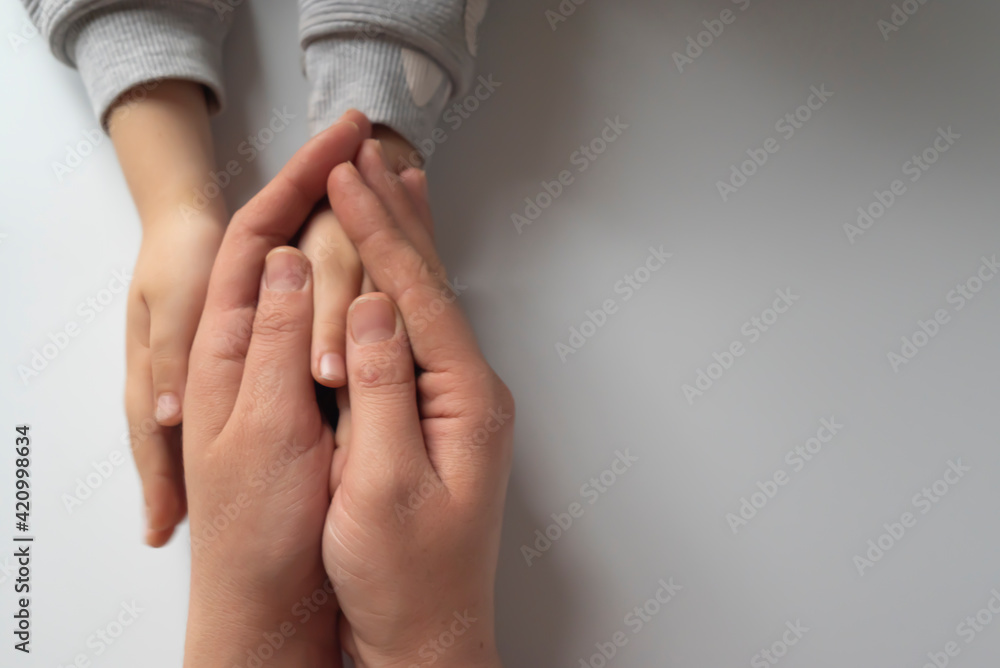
x=422, y=177
x=146, y=529
x=168, y=407
x=372, y=320
x=331, y=367
x=284, y=271
x=351, y=170
x=381, y=153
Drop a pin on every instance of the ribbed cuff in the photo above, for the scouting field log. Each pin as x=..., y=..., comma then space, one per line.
x=120, y=48
x=391, y=84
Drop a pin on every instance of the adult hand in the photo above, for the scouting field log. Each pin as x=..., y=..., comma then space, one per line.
x=337, y=268
x=421, y=465
x=257, y=452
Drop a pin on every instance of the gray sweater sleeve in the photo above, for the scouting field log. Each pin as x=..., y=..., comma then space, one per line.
x=398, y=61
x=119, y=44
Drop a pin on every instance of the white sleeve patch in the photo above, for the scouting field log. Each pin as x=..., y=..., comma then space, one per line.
x=475, y=11
x=423, y=76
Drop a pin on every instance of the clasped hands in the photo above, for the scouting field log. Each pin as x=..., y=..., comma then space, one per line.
x=381, y=537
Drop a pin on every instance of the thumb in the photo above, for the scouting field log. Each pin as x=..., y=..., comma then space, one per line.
x=386, y=437
x=277, y=359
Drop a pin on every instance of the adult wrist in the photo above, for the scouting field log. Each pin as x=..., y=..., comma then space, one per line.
x=463, y=641
x=235, y=631
x=480, y=659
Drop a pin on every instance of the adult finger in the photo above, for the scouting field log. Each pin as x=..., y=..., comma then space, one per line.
x=277, y=363
x=269, y=220
x=415, y=182
x=386, y=441
x=440, y=336
x=395, y=198
x=341, y=438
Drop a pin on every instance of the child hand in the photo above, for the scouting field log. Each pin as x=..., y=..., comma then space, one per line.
x=163, y=140
x=164, y=305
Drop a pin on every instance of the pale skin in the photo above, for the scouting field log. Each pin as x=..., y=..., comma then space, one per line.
x=302, y=505
x=164, y=145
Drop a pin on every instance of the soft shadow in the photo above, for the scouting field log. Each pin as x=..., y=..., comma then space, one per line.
x=533, y=116
x=242, y=62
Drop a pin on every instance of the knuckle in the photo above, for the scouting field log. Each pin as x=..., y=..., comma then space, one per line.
x=276, y=317
x=144, y=436
x=402, y=262
x=437, y=269
x=379, y=372
x=259, y=405
x=337, y=260
x=231, y=337
x=385, y=366
x=505, y=399
x=164, y=360
x=331, y=323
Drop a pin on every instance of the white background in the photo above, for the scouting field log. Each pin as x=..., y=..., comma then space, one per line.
x=656, y=185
